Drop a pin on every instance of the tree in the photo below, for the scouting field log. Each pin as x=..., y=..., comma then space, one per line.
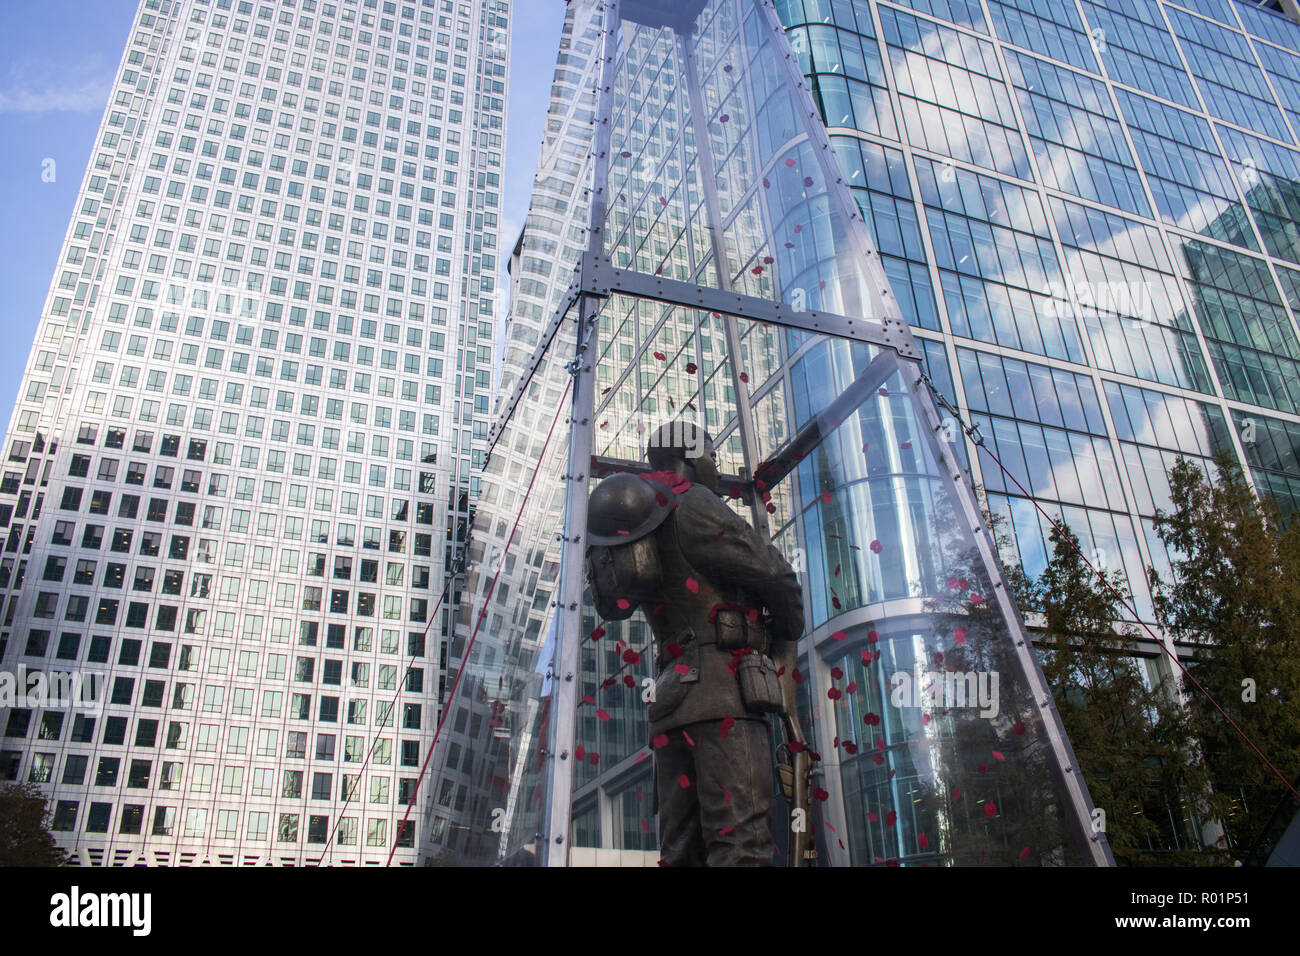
x=1234, y=590
x=25, y=839
x=1130, y=737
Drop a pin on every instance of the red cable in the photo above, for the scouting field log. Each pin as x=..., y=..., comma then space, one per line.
x=482, y=615
x=1174, y=657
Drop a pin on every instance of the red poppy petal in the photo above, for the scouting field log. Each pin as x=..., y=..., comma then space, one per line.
x=990, y=809
x=959, y=634
x=891, y=819
x=682, y=668
x=790, y=162
x=580, y=752
x=623, y=603
x=839, y=636
x=873, y=636
x=997, y=755
x=684, y=781
x=602, y=714
x=834, y=693
x=922, y=840
x=598, y=633
x=956, y=792
x=693, y=585
x=659, y=740
x=877, y=547
x=1018, y=728
x=836, y=673
x=1024, y=854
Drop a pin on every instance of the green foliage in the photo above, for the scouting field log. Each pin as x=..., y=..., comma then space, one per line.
x=1129, y=734
x=1234, y=589
x=24, y=837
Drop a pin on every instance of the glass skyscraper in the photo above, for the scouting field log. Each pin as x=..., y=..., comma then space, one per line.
x=1087, y=215
x=242, y=462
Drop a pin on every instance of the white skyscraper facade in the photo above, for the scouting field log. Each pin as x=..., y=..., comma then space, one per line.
x=240, y=464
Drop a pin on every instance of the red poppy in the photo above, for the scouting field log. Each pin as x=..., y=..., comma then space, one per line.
x=976, y=599
x=850, y=747
x=727, y=68
x=871, y=719
x=630, y=681
x=891, y=819
x=798, y=229
x=683, y=781
x=959, y=634
x=798, y=677
x=631, y=657
x=682, y=668
x=871, y=817
x=820, y=795
x=691, y=368
x=580, y=752
x=674, y=650
x=990, y=809
x=834, y=693
x=797, y=746
x=836, y=673
x=835, y=601
x=659, y=740
x=839, y=636
x=768, y=260
x=826, y=497
x=790, y=162
x=588, y=699
x=598, y=633
x=744, y=376
x=956, y=792
x=807, y=180
x=1018, y=728
x=659, y=355
x=997, y=755
x=922, y=840
x=852, y=688
x=767, y=183
x=593, y=758
x=663, y=200
x=626, y=154
x=728, y=723
x=602, y=715
x=876, y=546
x=1024, y=854
x=724, y=118
x=693, y=586
x=623, y=604
x=873, y=636
x=982, y=768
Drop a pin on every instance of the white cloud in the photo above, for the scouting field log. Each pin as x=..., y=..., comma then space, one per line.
x=90, y=96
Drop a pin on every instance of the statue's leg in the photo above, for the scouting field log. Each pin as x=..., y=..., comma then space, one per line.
x=735, y=792
x=680, y=843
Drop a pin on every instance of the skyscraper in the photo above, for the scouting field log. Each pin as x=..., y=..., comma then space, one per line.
x=241, y=463
x=1086, y=216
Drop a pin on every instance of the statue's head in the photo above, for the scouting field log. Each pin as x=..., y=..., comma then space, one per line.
x=686, y=449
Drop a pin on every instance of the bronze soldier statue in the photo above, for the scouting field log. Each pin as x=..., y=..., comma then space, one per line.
x=717, y=598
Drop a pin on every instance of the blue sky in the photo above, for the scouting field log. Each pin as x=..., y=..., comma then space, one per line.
x=58, y=59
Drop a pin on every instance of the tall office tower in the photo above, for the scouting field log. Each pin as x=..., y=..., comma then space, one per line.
x=241, y=462
x=1086, y=214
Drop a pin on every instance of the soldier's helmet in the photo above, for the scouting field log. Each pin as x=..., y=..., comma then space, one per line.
x=624, y=508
